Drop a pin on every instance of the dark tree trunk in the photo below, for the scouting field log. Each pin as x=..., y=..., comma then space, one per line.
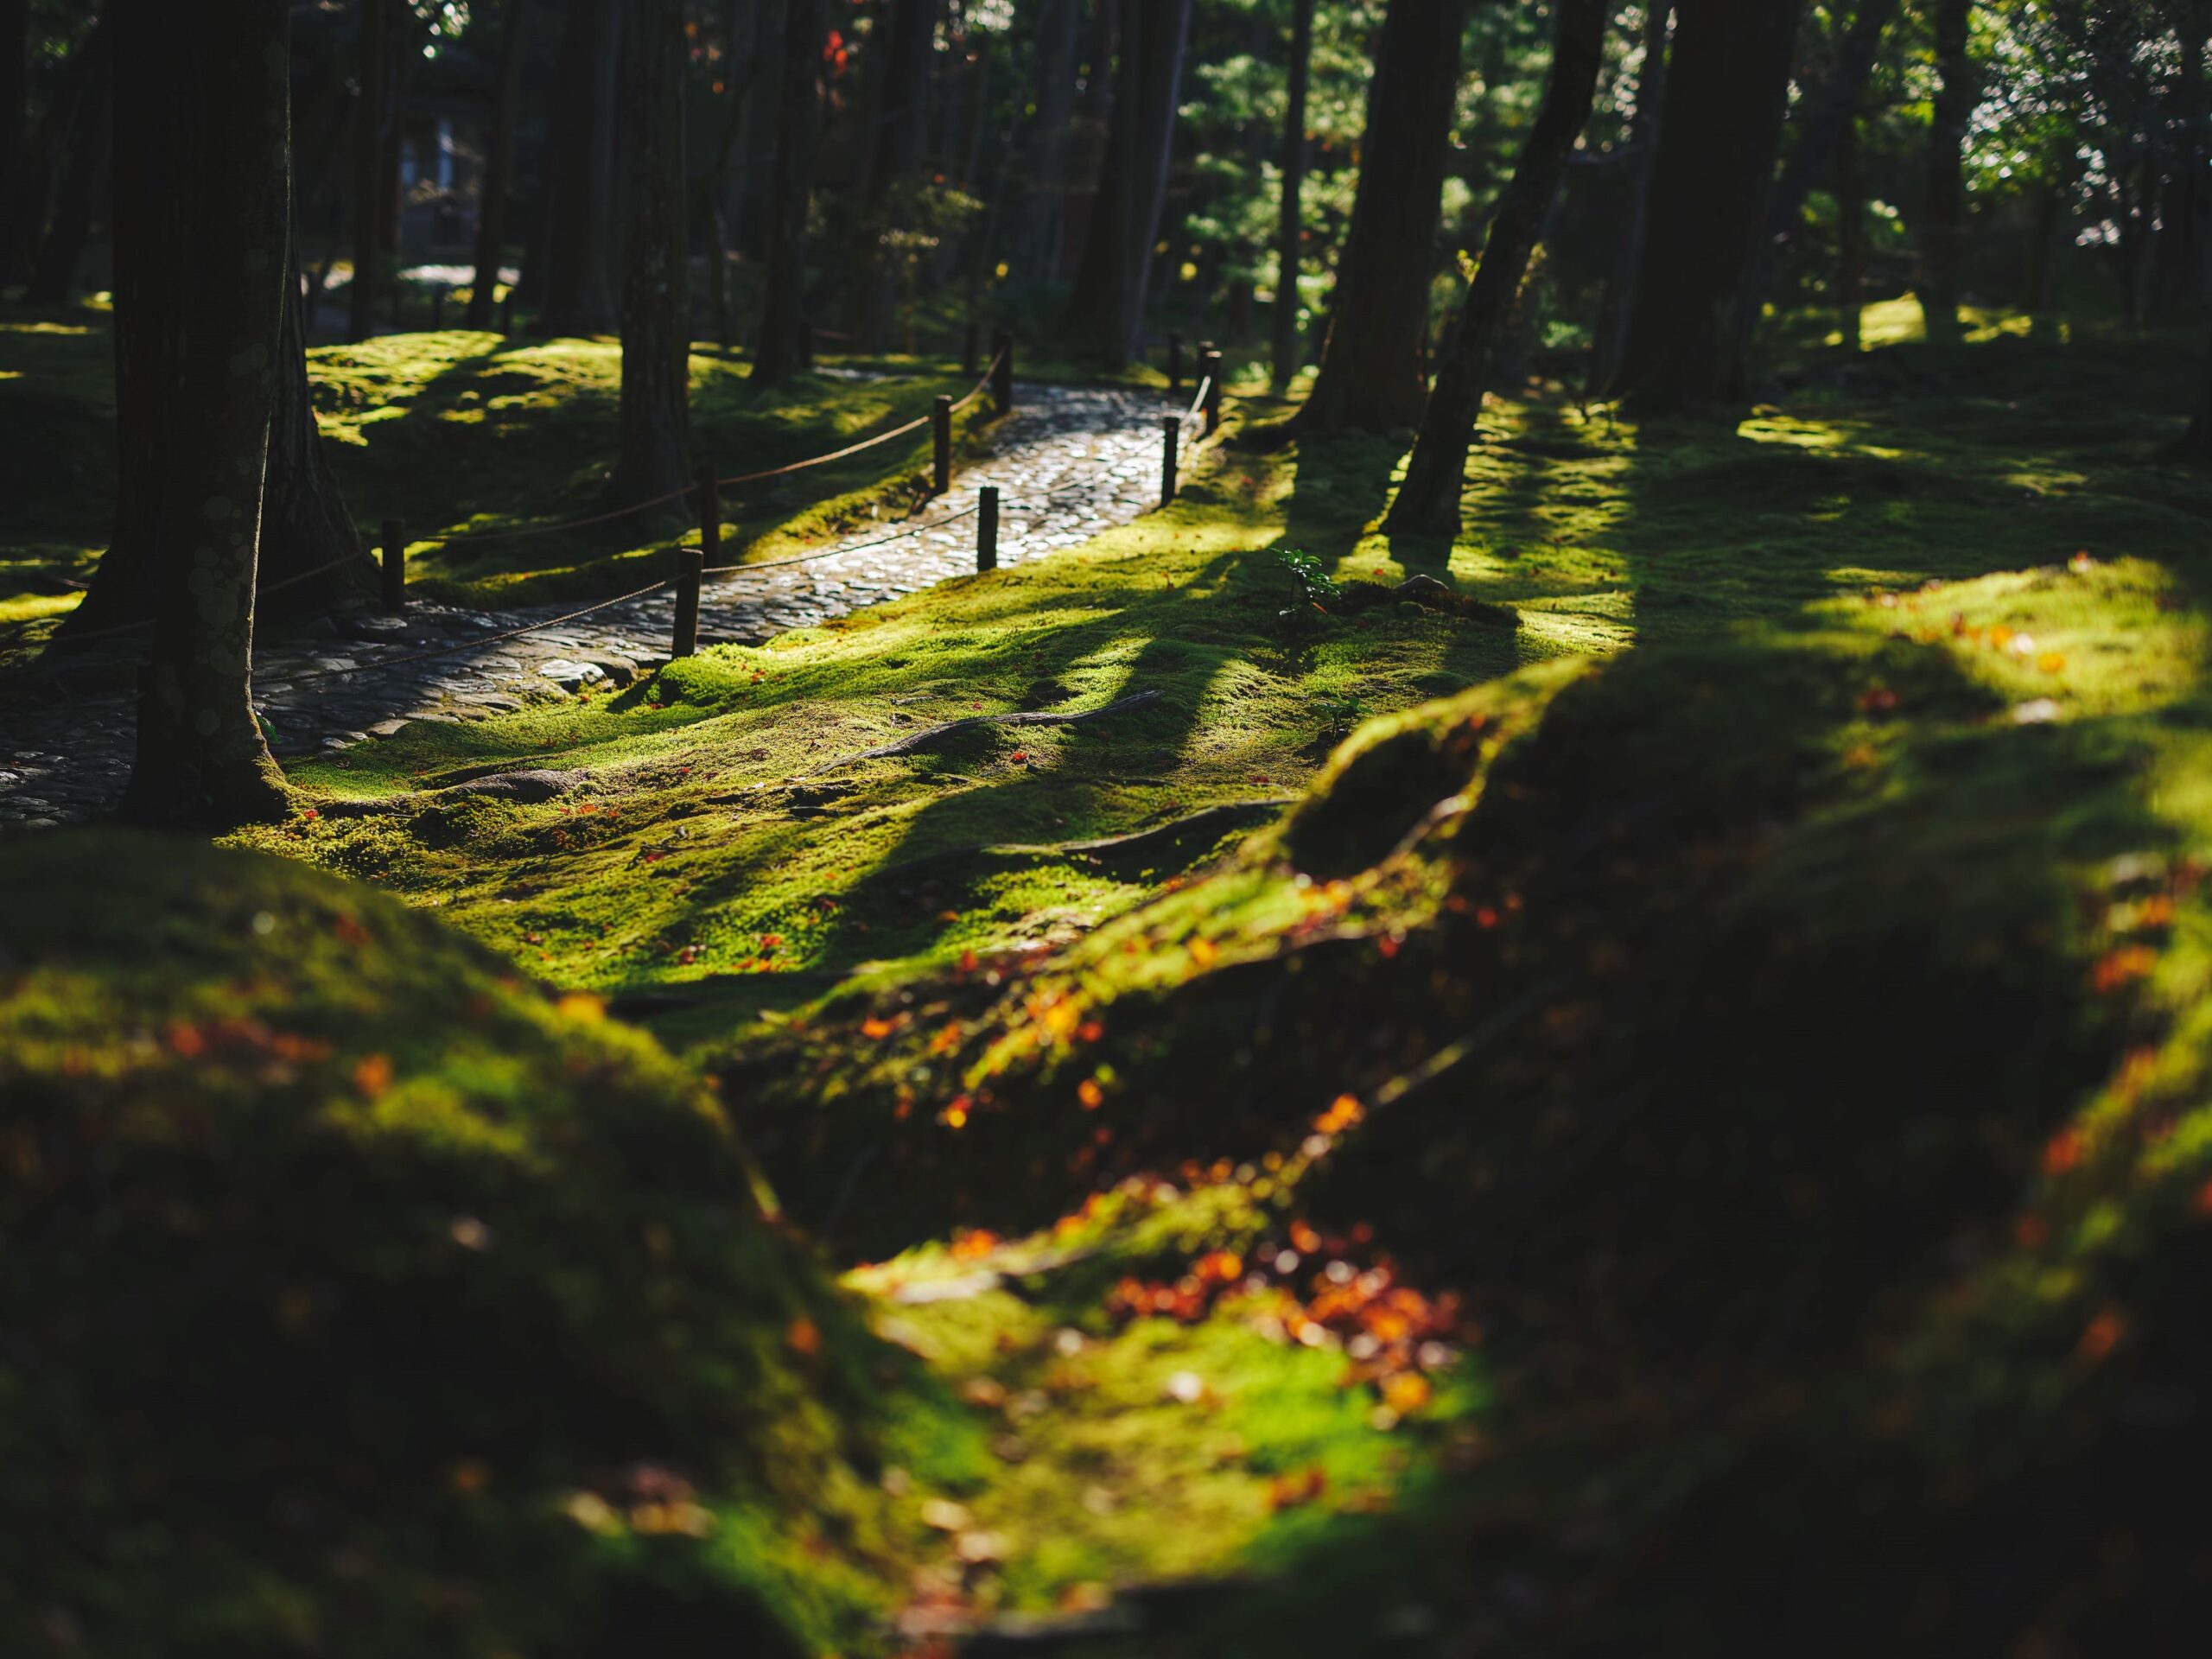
x=1943, y=231
x=1370, y=378
x=1833, y=106
x=579, y=295
x=783, y=349
x=2043, y=249
x=26, y=190
x=1046, y=200
x=1689, y=333
x=899, y=143
x=751, y=189
x=715, y=201
x=1290, y=218
x=1087, y=143
x=1106, y=309
x=311, y=554
x=368, y=145
x=1851, y=235
x=1644, y=144
x=53, y=273
x=15, y=87
x=498, y=165
x=203, y=145
x=400, y=57
x=656, y=286
x=2180, y=241
x=1429, y=497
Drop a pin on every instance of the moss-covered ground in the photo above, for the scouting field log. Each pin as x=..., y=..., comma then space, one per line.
x=1684, y=1134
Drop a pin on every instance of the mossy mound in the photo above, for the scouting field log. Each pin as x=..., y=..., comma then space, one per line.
x=361, y=1300
x=1792, y=1047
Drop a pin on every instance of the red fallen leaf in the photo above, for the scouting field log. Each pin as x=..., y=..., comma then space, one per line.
x=876, y=1029
x=803, y=1336
x=1019, y=754
x=310, y=812
x=1287, y=1491
x=2063, y=1153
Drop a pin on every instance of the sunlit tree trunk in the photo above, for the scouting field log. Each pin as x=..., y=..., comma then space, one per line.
x=1697, y=300
x=783, y=350
x=203, y=146
x=656, y=287
x=1429, y=497
x=1290, y=218
x=1943, y=237
x=1371, y=372
x=499, y=164
x=579, y=295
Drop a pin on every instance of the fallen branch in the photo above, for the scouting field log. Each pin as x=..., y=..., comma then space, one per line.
x=929, y=736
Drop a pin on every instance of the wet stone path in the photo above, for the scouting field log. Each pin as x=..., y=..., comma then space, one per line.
x=1070, y=463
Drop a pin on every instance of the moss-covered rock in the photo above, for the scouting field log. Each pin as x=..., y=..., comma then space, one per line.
x=360, y=1299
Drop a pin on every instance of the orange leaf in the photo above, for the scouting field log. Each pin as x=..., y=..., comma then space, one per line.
x=372, y=1074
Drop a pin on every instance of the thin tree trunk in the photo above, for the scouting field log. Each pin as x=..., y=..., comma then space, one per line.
x=499, y=164
x=1942, y=237
x=1290, y=218
x=2180, y=242
x=305, y=526
x=579, y=296
x=783, y=349
x=2195, y=444
x=1046, y=200
x=53, y=273
x=203, y=91
x=1834, y=106
x=368, y=144
x=1370, y=375
x=15, y=88
x=1644, y=145
x=1106, y=309
x=27, y=188
x=656, y=287
x=2042, y=250
x=1689, y=332
x=714, y=196
x=1429, y=497
x=1851, y=235
x=899, y=142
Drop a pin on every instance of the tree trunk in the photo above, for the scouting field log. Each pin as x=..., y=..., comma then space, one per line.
x=1429, y=497
x=1851, y=235
x=714, y=198
x=752, y=183
x=783, y=349
x=498, y=165
x=305, y=526
x=53, y=273
x=1943, y=237
x=1644, y=145
x=652, y=458
x=2181, y=240
x=15, y=87
x=1834, y=106
x=368, y=144
x=900, y=142
x=1689, y=332
x=579, y=294
x=1370, y=378
x=1290, y=218
x=2043, y=249
x=203, y=145
x=27, y=188
x=1106, y=309
x=1046, y=200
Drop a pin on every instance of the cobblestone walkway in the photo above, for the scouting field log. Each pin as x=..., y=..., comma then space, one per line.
x=1069, y=462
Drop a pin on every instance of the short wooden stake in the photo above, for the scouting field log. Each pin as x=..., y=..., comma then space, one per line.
x=940, y=445
x=987, y=528
x=1171, y=437
x=1174, y=363
x=707, y=498
x=395, y=566
x=969, y=344
x=1213, y=372
x=1003, y=370
x=507, y=312
x=689, y=562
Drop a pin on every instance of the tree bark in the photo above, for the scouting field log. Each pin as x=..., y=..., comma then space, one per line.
x=1290, y=218
x=579, y=294
x=203, y=138
x=15, y=87
x=715, y=201
x=499, y=164
x=368, y=145
x=54, y=272
x=1429, y=497
x=305, y=527
x=1834, y=106
x=2181, y=239
x=1044, y=203
x=1643, y=142
x=1851, y=235
x=27, y=188
x=900, y=142
x=653, y=457
x=1943, y=237
x=1370, y=374
x=1689, y=333
x=1106, y=308
x=784, y=349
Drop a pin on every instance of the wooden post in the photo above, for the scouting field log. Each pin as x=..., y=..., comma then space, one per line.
x=969, y=344
x=1213, y=371
x=940, y=445
x=1174, y=363
x=1003, y=370
x=689, y=562
x=395, y=566
x=395, y=300
x=706, y=498
x=437, y=308
x=987, y=528
x=1171, y=437
x=507, y=312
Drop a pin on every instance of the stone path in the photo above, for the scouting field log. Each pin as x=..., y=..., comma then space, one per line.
x=1070, y=463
